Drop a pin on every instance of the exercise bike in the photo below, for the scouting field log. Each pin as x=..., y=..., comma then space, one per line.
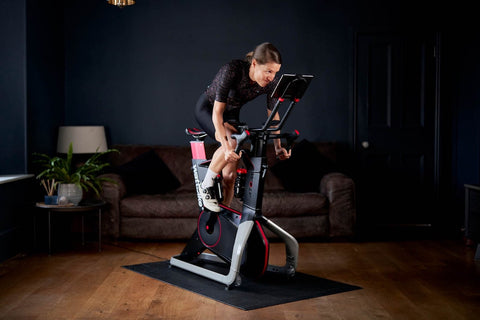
x=237, y=240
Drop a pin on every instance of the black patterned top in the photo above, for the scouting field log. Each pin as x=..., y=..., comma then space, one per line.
x=233, y=85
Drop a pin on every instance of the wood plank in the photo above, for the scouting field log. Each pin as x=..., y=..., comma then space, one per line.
x=400, y=280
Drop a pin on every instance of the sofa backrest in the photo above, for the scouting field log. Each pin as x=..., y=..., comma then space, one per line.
x=179, y=160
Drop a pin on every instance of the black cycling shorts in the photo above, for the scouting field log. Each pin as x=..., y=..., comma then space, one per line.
x=203, y=115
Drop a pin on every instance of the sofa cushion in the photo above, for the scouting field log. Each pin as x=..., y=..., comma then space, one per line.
x=180, y=204
x=290, y=204
x=168, y=205
x=304, y=170
x=148, y=174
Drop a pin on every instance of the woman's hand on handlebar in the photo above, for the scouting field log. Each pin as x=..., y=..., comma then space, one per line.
x=231, y=155
x=282, y=153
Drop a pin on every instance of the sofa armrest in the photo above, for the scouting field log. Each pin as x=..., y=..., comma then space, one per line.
x=112, y=193
x=340, y=191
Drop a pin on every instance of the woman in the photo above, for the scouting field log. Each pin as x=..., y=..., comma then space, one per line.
x=234, y=85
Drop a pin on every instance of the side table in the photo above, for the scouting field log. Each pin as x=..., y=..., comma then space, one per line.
x=83, y=208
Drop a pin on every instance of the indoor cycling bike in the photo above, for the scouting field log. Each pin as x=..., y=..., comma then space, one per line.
x=237, y=240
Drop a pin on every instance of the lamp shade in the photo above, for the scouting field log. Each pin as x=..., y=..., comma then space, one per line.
x=84, y=139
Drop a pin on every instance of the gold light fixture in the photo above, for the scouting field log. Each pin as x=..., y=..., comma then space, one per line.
x=121, y=3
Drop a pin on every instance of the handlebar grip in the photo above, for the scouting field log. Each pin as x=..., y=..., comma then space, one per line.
x=240, y=138
x=291, y=138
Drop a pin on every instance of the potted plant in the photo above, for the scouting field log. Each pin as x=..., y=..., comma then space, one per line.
x=73, y=180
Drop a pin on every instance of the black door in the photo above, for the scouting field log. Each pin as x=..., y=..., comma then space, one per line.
x=395, y=115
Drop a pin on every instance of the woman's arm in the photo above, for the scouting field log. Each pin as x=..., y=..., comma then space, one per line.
x=281, y=152
x=221, y=131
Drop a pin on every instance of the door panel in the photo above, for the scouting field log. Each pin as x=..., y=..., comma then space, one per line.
x=395, y=126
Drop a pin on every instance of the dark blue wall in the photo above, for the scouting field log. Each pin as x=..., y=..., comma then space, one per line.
x=139, y=70
x=13, y=99
x=45, y=74
x=31, y=80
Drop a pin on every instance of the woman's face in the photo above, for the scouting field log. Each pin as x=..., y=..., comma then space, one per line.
x=263, y=74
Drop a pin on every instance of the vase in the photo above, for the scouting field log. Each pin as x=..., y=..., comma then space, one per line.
x=50, y=200
x=70, y=191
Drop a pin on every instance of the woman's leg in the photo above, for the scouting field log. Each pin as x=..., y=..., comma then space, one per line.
x=229, y=170
x=229, y=173
x=203, y=114
x=218, y=160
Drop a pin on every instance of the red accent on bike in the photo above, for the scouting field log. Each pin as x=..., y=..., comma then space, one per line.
x=281, y=99
x=248, y=132
x=200, y=234
x=230, y=209
x=242, y=170
x=195, y=131
x=265, y=241
x=296, y=132
x=296, y=100
x=198, y=150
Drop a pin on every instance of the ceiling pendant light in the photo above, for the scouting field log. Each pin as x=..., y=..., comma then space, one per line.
x=121, y=3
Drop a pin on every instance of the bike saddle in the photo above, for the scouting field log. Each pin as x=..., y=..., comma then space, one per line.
x=196, y=133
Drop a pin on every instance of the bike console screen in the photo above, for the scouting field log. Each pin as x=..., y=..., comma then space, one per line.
x=292, y=86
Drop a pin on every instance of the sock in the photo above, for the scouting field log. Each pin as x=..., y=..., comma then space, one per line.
x=209, y=179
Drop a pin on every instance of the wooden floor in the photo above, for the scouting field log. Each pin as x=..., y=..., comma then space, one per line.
x=400, y=280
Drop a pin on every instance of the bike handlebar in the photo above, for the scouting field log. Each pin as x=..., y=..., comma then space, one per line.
x=245, y=134
x=290, y=137
x=240, y=137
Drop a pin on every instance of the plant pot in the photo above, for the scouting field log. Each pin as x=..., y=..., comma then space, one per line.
x=70, y=191
x=49, y=200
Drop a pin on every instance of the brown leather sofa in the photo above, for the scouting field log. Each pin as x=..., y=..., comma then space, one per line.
x=151, y=203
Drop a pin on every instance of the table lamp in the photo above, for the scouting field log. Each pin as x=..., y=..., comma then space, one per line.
x=84, y=139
